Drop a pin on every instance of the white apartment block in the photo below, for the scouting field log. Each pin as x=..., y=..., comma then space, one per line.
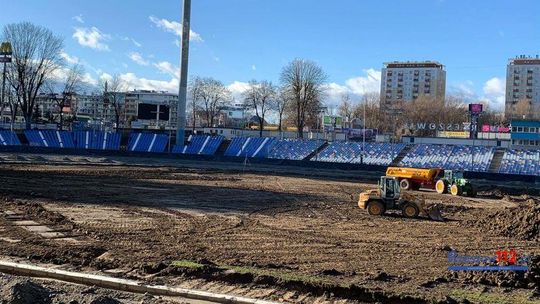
x=522, y=83
x=405, y=81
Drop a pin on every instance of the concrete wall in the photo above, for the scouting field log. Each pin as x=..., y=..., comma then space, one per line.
x=455, y=141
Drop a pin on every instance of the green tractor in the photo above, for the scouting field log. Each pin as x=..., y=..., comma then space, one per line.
x=453, y=182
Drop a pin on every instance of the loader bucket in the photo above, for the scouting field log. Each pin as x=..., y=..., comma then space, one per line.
x=434, y=213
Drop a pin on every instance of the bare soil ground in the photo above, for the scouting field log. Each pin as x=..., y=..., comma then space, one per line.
x=272, y=236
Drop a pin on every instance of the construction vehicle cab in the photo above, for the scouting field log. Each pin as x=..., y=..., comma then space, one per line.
x=388, y=196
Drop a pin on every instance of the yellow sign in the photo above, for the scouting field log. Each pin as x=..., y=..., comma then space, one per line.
x=457, y=134
x=5, y=48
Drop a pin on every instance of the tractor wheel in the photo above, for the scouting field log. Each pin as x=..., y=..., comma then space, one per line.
x=376, y=208
x=441, y=186
x=410, y=210
x=471, y=192
x=456, y=190
x=404, y=184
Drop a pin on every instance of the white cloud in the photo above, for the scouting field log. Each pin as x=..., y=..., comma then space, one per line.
x=494, y=93
x=168, y=68
x=253, y=67
x=69, y=59
x=78, y=18
x=237, y=88
x=134, y=82
x=135, y=42
x=92, y=38
x=175, y=28
x=138, y=59
x=464, y=90
x=61, y=73
x=371, y=82
x=356, y=87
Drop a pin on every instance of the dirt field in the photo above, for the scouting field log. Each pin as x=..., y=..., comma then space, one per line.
x=277, y=237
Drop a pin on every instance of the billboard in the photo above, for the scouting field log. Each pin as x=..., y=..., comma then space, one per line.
x=476, y=108
x=495, y=129
x=148, y=111
x=454, y=134
x=333, y=121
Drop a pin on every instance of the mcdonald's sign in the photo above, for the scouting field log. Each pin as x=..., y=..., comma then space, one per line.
x=5, y=52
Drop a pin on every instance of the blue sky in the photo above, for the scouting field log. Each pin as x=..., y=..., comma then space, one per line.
x=239, y=40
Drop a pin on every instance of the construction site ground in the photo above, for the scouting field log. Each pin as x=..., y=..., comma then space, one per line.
x=284, y=234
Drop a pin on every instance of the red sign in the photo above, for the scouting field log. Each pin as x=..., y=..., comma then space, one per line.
x=495, y=129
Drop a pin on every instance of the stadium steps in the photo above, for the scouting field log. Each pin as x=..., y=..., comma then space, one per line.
x=317, y=151
x=496, y=161
x=401, y=155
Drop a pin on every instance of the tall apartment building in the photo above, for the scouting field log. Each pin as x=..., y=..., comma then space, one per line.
x=405, y=81
x=151, y=109
x=523, y=84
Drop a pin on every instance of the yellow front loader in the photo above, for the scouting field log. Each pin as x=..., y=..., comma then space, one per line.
x=388, y=196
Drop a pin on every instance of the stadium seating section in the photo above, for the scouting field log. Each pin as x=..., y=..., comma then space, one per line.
x=449, y=157
x=147, y=142
x=97, y=140
x=294, y=149
x=453, y=157
x=201, y=145
x=351, y=152
x=9, y=138
x=250, y=146
x=524, y=162
x=50, y=138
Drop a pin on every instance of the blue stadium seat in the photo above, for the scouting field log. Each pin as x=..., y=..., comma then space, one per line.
x=524, y=162
x=200, y=145
x=97, y=140
x=294, y=149
x=351, y=152
x=148, y=142
x=250, y=146
x=450, y=157
x=9, y=138
x=50, y=138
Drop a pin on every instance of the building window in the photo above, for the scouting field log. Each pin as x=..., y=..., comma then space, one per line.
x=520, y=129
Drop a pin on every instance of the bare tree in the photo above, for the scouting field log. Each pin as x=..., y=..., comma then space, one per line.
x=214, y=96
x=282, y=102
x=304, y=80
x=70, y=83
x=375, y=118
x=195, y=90
x=113, y=91
x=260, y=97
x=522, y=110
x=36, y=56
x=346, y=108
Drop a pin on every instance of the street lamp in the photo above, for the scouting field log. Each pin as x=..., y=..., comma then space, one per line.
x=5, y=57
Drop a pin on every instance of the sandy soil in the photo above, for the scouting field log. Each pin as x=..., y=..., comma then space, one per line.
x=301, y=239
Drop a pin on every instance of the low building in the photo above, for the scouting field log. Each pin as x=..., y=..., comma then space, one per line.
x=525, y=133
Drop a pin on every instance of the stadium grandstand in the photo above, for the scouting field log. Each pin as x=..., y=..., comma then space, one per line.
x=480, y=158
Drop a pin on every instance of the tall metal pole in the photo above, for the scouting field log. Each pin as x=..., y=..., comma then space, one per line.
x=364, y=125
x=3, y=90
x=182, y=94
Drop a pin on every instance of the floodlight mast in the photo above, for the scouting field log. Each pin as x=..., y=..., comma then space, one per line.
x=184, y=60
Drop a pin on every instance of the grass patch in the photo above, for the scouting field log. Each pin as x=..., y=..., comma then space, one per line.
x=187, y=264
x=283, y=275
x=479, y=297
x=287, y=276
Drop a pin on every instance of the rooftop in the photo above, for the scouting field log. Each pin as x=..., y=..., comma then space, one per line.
x=414, y=64
x=522, y=59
